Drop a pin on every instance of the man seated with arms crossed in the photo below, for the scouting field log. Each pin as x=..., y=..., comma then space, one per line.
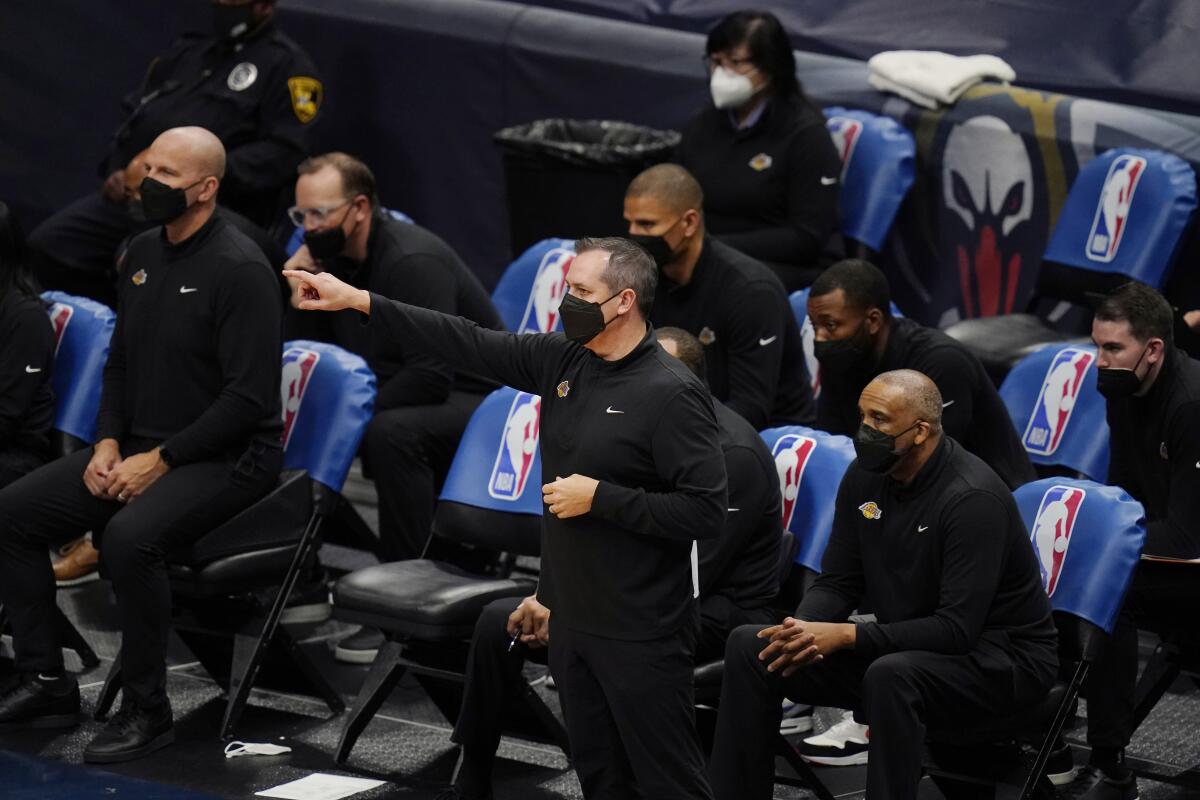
x=964, y=630
x=734, y=305
x=738, y=580
x=1153, y=395
x=187, y=436
x=424, y=402
x=857, y=338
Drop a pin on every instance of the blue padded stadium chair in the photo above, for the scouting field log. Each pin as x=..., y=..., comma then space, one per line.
x=82, y=331
x=879, y=158
x=328, y=396
x=530, y=290
x=1052, y=399
x=491, y=502
x=1124, y=218
x=799, y=302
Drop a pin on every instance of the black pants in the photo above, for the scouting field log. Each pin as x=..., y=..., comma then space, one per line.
x=1161, y=597
x=408, y=451
x=901, y=695
x=16, y=463
x=52, y=505
x=494, y=671
x=74, y=250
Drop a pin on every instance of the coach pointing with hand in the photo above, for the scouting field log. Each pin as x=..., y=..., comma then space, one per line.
x=632, y=434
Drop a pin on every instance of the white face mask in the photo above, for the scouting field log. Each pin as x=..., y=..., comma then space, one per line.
x=730, y=89
x=235, y=749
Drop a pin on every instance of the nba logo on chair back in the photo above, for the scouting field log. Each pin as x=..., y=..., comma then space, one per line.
x=1052, y=529
x=517, y=449
x=791, y=457
x=1112, y=209
x=298, y=365
x=1056, y=401
x=845, y=133
x=549, y=286
x=60, y=317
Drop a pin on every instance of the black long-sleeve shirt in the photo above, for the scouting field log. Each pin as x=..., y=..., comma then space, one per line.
x=946, y=561
x=972, y=412
x=26, y=364
x=753, y=352
x=195, y=356
x=742, y=563
x=643, y=426
x=257, y=95
x=770, y=190
x=408, y=263
x=1154, y=454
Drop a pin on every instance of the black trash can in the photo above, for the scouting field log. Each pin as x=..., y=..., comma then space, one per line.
x=568, y=177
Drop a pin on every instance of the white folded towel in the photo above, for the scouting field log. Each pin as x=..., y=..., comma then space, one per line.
x=929, y=77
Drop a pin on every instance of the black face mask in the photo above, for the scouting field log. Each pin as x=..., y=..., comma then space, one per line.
x=162, y=203
x=329, y=243
x=844, y=356
x=1118, y=382
x=876, y=450
x=657, y=246
x=232, y=22
x=582, y=321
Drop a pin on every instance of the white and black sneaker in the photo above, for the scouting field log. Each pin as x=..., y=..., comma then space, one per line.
x=797, y=718
x=1061, y=769
x=843, y=745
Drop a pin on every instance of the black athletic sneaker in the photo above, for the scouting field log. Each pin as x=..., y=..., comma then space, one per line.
x=134, y=732
x=843, y=745
x=360, y=647
x=1061, y=769
x=309, y=602
x=30, y=703
x=1093, y=784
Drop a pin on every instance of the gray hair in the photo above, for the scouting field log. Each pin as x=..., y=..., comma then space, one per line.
x=629, y=266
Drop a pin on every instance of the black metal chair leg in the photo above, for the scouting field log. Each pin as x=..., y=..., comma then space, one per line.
x=802, y=768
x=72, y=639
x=108, y=694
x=385, y=673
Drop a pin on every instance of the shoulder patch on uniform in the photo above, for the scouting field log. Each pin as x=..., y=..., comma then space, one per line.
x=306, y=97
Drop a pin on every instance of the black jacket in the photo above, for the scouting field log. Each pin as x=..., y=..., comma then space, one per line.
x=973, y=412
x=26, y=364
x=947, y=563
x=770, y=190
x=257, y=95
x=408, y=263
x=753, y=353
x=1154, y=454
x=195, y=355
x=642, y=426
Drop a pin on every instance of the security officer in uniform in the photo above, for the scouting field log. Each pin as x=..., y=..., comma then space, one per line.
x=738, y=580
x=964, y=628
x=734, y=305
x=1152, y=391
x=246, y=82
x=857, y=338
x=632, y=458
x=187, y=436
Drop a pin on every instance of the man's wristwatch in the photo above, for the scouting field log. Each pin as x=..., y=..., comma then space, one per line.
x=166, y=456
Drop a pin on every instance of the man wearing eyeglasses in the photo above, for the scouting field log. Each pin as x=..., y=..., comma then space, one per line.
x=423, y=403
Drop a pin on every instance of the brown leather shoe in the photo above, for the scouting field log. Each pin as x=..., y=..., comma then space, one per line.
x=78, y=563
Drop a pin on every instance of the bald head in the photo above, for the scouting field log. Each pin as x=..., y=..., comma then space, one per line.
x=911, y=393
x=192, y=151
x=669, y=185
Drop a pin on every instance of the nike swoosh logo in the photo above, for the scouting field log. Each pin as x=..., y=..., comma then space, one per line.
x=185, y=290
x=611, y=410
x=947, y=404
x=30, y=369
x=922, y=528
x=828, y=181
x=1197, y=463
x=765, y=342
x=731, y=510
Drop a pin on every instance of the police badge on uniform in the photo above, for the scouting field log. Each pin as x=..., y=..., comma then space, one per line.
x=242, y=77
x=306, y=97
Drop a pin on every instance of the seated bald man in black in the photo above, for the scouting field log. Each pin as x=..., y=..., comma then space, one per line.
x=964, y=630
x=737, y=583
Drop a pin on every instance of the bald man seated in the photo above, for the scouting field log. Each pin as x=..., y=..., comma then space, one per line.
x=187, y=436
x=734, y=305
x=963, y=630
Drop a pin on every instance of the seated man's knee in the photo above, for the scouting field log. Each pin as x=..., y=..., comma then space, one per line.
x=886, y=674
x=123, y=549
x=743, y=644
x=391, y=432
x=492, y=624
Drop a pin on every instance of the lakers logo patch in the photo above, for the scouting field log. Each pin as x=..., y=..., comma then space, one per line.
x=139, y=277
x=871, y=510
x=564, y=389
x=707, y=336
x=306, y=97
x=760, y=162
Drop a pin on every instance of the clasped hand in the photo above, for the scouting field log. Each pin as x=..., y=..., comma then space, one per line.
x=110, y=477
x=796, y=643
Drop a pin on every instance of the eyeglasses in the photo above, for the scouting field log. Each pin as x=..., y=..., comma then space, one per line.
x=739, y=65
x=319, y=215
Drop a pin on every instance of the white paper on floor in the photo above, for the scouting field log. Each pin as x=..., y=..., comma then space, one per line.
x=320, y=786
